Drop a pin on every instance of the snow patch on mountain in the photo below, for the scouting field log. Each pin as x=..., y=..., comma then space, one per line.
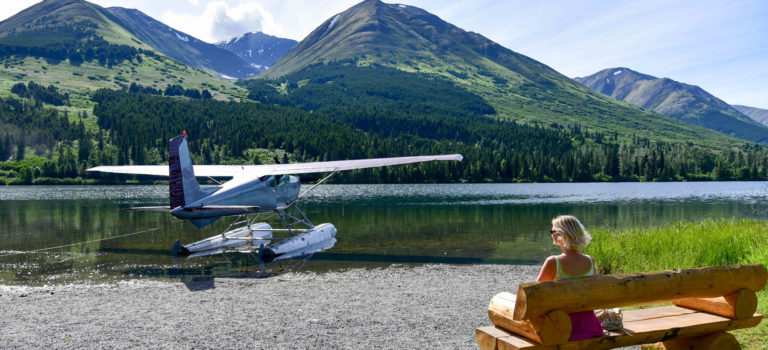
x=181, y=37
x=333, y=21
x=617, y=72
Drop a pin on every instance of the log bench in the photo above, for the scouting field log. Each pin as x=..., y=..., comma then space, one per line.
x=705, y=303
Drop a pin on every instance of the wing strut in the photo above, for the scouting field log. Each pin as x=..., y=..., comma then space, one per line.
x=313, y=187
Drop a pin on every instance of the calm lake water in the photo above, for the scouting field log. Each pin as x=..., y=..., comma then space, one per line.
x=378, y=225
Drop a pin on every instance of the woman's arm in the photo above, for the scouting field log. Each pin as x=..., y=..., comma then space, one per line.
x=548, y=271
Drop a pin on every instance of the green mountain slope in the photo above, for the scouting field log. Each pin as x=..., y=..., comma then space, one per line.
x=518, y=87
x=677, y=100
x=80, y=47
x=757, y=114
x=63, y=22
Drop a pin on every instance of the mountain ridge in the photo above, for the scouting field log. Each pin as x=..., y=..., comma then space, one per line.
x=685, y=102
x=182, y=46
x=368, y=26
x=520, y=88
x=757, y=114
x=80, y=47
x=258, y=49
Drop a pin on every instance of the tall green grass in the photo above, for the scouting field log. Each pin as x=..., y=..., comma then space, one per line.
x=687, y=245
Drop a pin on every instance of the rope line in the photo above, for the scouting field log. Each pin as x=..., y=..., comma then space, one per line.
x=78, y=243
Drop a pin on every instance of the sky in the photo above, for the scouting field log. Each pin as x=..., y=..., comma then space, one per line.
x=720, y=46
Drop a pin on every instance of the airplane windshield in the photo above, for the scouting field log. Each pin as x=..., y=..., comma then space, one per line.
x=272, y=181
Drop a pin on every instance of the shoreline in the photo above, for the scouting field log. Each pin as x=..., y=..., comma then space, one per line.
x=428, y=306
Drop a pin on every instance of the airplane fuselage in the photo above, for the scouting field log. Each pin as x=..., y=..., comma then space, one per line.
x=245, y=195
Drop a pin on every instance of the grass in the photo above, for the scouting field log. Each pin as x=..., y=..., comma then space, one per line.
x=688, y=245
x=81, y=81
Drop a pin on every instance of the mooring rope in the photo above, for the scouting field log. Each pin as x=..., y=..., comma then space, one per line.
x=79, y=243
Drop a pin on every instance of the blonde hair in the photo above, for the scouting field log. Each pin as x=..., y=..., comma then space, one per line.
x=572, y=235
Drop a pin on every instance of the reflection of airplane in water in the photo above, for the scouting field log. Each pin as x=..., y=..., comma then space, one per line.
x=253, y=189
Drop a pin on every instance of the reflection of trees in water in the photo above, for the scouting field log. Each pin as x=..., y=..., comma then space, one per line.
x=370, y=233
x=30, y=225
x=494, y=232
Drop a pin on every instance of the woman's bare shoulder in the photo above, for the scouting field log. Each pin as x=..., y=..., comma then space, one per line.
x=548, y=270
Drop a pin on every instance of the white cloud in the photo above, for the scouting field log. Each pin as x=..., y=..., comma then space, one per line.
x=302, y=17
x=221, y=20
x=10, y=8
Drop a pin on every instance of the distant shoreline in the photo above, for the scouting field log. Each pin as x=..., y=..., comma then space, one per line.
x=97, y=182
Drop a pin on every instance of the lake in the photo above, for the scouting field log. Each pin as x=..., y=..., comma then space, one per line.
x=378, y=225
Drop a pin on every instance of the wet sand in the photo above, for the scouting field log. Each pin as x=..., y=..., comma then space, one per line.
x=431, y=306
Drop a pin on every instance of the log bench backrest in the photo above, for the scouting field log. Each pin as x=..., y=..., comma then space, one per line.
x=608, y=291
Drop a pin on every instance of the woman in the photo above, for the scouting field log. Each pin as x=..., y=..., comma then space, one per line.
x=571, y=236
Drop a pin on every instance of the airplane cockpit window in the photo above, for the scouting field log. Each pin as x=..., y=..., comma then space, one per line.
x=269, y=180
x=273, y=182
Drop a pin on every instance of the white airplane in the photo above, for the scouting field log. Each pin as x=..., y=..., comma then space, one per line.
x=253, y=189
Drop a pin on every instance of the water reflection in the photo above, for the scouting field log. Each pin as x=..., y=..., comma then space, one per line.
x=377, y=225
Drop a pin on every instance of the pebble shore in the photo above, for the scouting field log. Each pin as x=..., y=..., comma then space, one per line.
x=430, y=306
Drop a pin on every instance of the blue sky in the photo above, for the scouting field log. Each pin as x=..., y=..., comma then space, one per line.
x=721, y=46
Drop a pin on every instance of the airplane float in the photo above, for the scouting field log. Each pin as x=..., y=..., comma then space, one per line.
x=252, y=190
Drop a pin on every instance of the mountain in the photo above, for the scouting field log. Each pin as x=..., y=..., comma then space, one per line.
x=63, y=22
x=80, y=47
x=183, y=47
x=688, y=103
x=756, y=114
x=401, y=34
x=415, y=41
x=258, y=49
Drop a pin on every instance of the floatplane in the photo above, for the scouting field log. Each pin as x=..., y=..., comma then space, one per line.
x=251, y=190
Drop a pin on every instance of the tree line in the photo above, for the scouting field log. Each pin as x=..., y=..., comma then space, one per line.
x=40, y=93
x=494, y=150
x=342, y=115
x=76, y=42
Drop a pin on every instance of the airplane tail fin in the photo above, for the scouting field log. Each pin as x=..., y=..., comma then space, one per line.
x=183, y=186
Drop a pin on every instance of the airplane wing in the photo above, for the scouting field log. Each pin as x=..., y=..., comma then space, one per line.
x=275, y=169
x=162, y=170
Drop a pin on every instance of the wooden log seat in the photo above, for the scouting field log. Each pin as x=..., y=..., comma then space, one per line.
x=705, y=303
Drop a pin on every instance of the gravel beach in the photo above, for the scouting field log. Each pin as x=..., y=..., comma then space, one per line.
x=430, y=306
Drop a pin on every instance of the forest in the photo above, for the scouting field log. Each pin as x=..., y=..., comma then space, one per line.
x=339, y=112
x=76, y=42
